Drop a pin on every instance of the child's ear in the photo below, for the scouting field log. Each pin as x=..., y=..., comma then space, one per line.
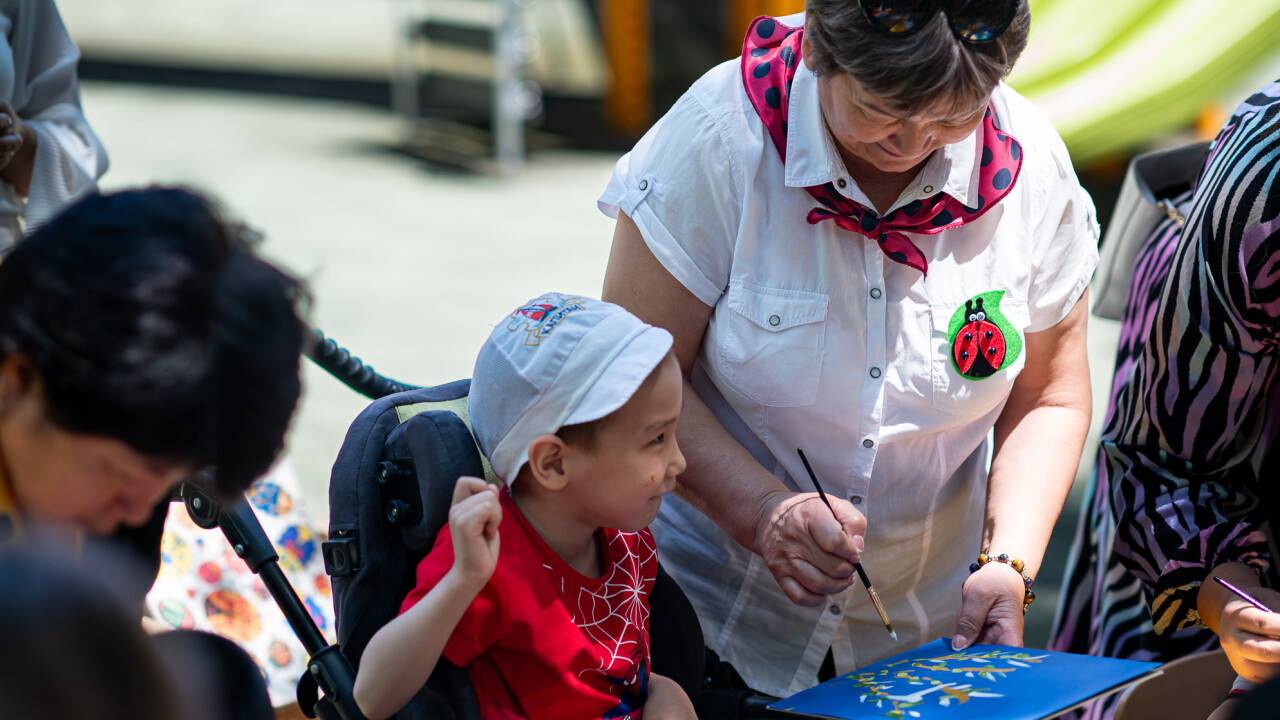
x=546, y=462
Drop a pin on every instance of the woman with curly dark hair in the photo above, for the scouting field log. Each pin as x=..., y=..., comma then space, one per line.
x=142, y=342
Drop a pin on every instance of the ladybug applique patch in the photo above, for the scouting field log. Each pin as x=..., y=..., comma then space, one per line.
x=983, y=341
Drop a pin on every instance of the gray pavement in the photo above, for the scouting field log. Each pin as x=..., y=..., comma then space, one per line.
x=408, y=265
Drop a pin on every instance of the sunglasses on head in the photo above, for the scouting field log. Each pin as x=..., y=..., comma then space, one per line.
x=973, y=21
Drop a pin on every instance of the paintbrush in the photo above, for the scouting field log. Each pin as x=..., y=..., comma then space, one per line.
x=862, y=574
x=1243, y=595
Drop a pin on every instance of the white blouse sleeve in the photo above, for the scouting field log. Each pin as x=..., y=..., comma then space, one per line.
x=1065, y=239
x=682, y=188
x=69, y=157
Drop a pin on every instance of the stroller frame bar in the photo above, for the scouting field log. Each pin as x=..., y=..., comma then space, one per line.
x=329, y=668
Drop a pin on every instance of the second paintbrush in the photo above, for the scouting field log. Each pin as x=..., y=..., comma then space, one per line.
x=862, y=574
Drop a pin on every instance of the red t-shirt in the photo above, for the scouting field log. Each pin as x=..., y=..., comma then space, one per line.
x=542, y=640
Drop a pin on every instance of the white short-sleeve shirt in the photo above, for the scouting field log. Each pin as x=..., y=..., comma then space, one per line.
x=818, y=341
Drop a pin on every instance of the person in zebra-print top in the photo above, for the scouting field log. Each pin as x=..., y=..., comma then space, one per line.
x=1185, y=484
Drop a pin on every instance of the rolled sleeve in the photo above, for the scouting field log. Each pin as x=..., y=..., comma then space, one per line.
x=69, y=160
x=681, y=188
x=1174, y=525
x=1065, y=243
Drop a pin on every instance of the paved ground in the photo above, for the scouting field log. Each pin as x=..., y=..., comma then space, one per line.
x=408, y=264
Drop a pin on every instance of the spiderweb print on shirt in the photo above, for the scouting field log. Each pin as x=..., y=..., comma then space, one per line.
x=615, y=615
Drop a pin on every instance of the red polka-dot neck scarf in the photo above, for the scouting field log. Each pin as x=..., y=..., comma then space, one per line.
x=770, y=57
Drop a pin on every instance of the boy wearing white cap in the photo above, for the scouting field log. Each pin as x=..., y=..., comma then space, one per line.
x=574, y=401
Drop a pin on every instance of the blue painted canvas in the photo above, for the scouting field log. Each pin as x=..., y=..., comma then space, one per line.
x=983, y=682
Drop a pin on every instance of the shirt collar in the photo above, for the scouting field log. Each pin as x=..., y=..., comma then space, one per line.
x=812, y=158
x=811, y=154
x=953, y=169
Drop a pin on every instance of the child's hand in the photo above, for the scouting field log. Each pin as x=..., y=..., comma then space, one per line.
x=403, y=653
x=473, y=521
x=667, y=701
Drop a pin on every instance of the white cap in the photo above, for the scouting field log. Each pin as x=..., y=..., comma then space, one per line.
x=557, y=360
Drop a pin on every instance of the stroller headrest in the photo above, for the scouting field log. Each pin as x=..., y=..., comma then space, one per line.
x=389, y=496
x=426, y=455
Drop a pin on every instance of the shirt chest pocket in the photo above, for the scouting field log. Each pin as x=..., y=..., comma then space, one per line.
x=771, y=343
x=977, y=352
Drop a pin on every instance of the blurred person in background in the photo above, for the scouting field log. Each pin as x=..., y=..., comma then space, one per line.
x=142, y=341
x=73, y=648
x=1187, y=481
x=49, y=156
x=867, y=246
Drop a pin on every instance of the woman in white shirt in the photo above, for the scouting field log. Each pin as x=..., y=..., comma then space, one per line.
x=49, y=155
x=857, y=257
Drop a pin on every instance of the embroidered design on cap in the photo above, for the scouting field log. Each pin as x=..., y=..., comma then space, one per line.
x=983, y=341
x=541, y=317
x=771, y=54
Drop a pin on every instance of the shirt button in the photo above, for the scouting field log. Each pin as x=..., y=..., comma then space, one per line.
x=855, y=499
x=775, y=321
x=842, y=182
x=927, y=188
x=875, y=293
x=875, y=372
x=835, y=609
x=868, y=443
x=644, y=185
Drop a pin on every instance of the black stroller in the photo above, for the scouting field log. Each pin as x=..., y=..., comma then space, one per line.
x=389, y=495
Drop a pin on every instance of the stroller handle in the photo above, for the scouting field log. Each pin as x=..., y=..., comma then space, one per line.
x=349, y=369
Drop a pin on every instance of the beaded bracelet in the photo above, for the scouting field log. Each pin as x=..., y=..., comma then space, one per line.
x=1018, y=566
